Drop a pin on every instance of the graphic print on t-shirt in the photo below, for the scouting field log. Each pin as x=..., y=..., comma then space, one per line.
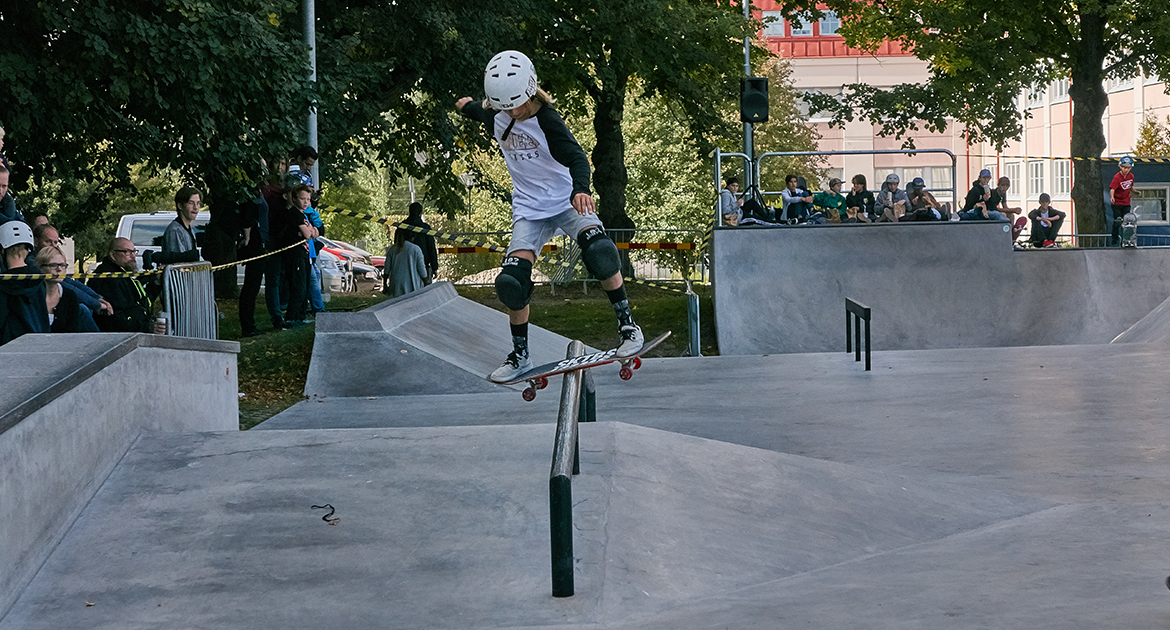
x=520, y=146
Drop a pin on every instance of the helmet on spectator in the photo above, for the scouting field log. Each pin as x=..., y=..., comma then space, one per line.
x=1127, y=161
x=918, y=183
x=985, y=173
x=15, y=233
x=892, y=178
x=509, y=80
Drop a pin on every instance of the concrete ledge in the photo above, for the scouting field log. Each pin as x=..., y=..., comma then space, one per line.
x=931, y=285
x=73, y=406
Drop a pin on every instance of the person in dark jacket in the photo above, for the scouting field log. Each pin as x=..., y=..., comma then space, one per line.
x=425, y=242
x=22, y=301
x=132, y=301
x=66, y=315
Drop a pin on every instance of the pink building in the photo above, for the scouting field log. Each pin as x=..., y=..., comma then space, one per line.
x=1036, y=163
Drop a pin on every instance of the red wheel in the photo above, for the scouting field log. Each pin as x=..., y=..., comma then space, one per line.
x=637, y=363
x=529, y=394
x=541, y=382
x=626, y=373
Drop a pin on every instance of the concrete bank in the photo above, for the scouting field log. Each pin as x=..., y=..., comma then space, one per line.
x=931, y=285
x=71, y=407
x=428, y=342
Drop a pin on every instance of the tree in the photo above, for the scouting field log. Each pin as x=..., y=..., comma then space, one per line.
x=203, y=87
x=687, y=51
x=1153, y=137
x=985, y=52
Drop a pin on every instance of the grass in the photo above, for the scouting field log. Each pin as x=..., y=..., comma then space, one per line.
x=273, y=366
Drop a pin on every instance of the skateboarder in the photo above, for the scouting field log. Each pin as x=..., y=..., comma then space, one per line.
x=1119, y=197
x=550, y=190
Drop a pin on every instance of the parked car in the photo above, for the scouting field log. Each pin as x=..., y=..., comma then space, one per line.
x=146, y=231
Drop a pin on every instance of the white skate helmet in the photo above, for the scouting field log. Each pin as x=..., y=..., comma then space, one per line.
x=15, y=233
x=509, y=80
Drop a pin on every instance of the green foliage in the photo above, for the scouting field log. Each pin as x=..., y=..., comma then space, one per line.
x=93, y=87
x=1153, y=137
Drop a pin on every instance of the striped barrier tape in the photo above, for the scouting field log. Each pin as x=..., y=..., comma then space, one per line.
x=487, y=247
x=130, y=274
x=1153, y=160
x=553, y=248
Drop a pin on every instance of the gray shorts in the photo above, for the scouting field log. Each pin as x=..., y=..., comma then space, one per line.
x=532, y=235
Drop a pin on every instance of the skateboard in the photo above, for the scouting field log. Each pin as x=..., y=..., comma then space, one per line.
x=537, y=377
x=1129, y=230
x=1018, y=228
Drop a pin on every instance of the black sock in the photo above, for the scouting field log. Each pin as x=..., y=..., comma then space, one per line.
x=621, y=306
x=520, y=338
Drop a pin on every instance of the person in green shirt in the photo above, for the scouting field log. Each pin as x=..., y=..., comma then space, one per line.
x=831, y=202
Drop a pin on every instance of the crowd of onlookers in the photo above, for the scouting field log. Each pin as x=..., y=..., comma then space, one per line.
x=890, y=204
x=278, y=220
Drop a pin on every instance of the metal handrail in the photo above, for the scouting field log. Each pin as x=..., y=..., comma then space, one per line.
x=565, y=464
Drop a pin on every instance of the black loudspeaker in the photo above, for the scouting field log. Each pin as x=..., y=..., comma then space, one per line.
x=753, y=99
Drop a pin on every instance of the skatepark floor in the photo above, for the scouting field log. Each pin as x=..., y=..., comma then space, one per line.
x=1015, y=487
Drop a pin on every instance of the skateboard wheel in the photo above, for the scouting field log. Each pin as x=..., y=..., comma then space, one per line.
x=637, y=363
x=541, y=383
x=529, y=394
x=626, y=373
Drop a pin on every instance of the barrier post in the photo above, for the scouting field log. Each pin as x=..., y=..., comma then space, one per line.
x=560, y=482
x=857, y=312
x=189, y=295
x=693, y=321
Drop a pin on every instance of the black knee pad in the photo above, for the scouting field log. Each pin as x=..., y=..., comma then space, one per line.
x=514, y=283
x=599, y=253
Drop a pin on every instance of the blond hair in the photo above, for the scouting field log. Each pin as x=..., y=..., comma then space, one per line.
x=541, y=95
x=46, y=254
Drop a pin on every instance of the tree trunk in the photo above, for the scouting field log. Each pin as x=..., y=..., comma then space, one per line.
x=609, y=154
x=1088, y=139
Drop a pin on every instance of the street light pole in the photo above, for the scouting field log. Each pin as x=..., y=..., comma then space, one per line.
x=309, y=10
x=748, y=140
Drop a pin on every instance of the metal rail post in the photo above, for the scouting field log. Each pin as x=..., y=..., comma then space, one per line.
x=560, y=482
x=856, y=312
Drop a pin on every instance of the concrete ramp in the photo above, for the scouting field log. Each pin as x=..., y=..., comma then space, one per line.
x=428, y=342
x=1155, y=326
x=448, y=528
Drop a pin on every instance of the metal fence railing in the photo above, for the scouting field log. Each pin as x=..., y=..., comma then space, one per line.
x=189, y=291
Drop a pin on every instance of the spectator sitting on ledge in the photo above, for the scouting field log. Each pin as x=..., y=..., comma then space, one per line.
x=1046, y=222
x=859, y=200
x=831, y=201
x=891, y=202
x=923, y=205
x=796, y=200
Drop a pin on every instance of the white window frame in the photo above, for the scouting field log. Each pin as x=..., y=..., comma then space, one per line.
x=1035, y=178
x=1119, y=85
x=831, y=21
x=1058, y=91
x=805, y=30
x=776, y=27
x=1163, y=187
x=1011, y=170
x=1034, y=98
x=1061, y=179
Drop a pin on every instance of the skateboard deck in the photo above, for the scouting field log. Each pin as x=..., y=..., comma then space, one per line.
x=537, y=377
x=1018, y=228
x=1129, y=230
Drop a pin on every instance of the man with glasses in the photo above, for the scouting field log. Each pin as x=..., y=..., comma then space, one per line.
x=132, y=301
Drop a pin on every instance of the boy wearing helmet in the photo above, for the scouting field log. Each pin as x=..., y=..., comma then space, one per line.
x=1119, y=190
x=550, y=191
x=22, y=302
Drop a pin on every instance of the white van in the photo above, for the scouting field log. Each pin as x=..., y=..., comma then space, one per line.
x=146, y=231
